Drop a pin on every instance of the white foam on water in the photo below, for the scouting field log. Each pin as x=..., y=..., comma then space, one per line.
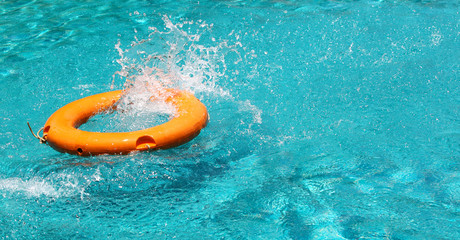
x=36, y=187
x=32, y=187
x=55, y=185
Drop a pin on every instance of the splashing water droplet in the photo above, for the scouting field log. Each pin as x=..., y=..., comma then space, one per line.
x=183, y=56
x=174, y=58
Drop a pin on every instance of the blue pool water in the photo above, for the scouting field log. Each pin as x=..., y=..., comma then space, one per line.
x=328, y=119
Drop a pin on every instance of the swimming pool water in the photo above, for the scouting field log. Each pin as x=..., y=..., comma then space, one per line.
x=328, y=119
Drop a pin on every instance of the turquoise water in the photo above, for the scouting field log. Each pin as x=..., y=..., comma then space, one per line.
x=328, y=119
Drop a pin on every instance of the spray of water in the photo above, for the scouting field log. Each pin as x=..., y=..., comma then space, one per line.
x=175, y=58
x=183, y=56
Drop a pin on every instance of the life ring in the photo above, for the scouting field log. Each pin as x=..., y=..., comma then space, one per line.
x=61, y=129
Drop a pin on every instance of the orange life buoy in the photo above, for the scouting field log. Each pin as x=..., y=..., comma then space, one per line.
x=61, y=131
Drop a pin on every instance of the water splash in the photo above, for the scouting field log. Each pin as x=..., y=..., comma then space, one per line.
x=184, y=56
x=175, y=58
x=55, y=185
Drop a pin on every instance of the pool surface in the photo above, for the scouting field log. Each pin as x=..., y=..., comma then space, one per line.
x=328, y=119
